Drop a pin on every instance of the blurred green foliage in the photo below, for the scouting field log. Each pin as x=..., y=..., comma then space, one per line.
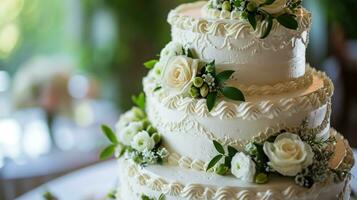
x=343, y=12
x=142, y=32
x=41, y=28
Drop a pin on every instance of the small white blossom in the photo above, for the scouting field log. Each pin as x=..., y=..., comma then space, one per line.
x=163, y=153
x=131, y=155
x=149, y=156
x=171, y=49
x=142, y=141
x=127, y=134
x=135, y=114
x=217, y=3
x=243, y=167
x=209, y=79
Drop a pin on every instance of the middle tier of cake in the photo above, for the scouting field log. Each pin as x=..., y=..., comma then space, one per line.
x=188, y=127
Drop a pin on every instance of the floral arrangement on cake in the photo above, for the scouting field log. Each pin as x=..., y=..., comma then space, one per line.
x=260, y=12
x=145, y=197
x=180, y=73
x=300, y=155
x=136, y=138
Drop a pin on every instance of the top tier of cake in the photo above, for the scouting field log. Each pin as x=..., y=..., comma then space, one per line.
x=230, y=41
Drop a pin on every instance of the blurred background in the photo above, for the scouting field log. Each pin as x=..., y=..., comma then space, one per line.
x=67, y=66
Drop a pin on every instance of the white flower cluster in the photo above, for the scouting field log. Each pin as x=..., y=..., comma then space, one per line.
x=278, y=6
x=131, y=128
x=171, y=49
x=288, y=155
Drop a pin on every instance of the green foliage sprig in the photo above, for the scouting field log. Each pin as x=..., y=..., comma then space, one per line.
x=49, y=196
x=139, y=100
x=210, y=85
x=150, y=64
x=254, y=13
x=118, y=148
x=223, y=168
x=254, y=150
x=112, y=194
x=145, y=197
x=110, y=149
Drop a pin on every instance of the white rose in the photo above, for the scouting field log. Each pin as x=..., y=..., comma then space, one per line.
x=243, y=167
x=143, y=142
x=135, y=114
x=128, y=133
x=275, y=8
x=171, y=49
x=288, y=155
x=178, y=74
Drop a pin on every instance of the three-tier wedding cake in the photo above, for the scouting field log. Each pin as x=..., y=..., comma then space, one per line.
x=231, y=111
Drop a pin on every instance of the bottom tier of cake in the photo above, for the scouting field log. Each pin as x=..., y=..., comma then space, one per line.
x=181, y=184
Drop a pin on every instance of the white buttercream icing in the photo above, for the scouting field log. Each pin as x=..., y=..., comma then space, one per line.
x=236, y=46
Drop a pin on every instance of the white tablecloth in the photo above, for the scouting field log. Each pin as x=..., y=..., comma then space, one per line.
x=91, y=183
x=94, y=182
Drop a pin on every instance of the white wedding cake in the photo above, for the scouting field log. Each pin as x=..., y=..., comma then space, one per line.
x=231, y=111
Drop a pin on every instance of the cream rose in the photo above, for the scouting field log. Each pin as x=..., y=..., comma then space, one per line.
x=277, y=7
x=288, y=155
x=178, y=74
x=243, y=167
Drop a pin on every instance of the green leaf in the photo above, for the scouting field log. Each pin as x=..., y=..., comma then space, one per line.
x=112, y=194
x=288, y=21
x=157, y=88
x=139, y=100
x=237, y=3
x=109, y=134
x=144, y=197
x=107, y=152
x=228, y=162
x=150, y=64
x=122, y=151
x=214, y=161
x=252, y=20
x=218, y=147
x=233, y=93
x=189, y=53
x=49, y=196
x=269, y=25
x=162, y=197
x=224, y=76
x=211, y=100
x=267, y=2
x=232, y=151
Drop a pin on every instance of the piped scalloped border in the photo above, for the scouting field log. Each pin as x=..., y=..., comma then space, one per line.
x=198, y=191
x=239, y=28
x=186, y=162
x=245, y=110
x=279, y=88
x=186, y=124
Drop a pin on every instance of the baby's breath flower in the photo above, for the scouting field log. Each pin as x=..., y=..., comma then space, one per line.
x=163, y=153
